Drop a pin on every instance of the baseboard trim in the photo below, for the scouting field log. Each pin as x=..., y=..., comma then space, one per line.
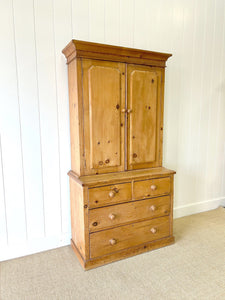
x=33, y=246
x=198, y=207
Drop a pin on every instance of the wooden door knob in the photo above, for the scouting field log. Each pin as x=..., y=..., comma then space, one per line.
x=112, y=241
x=153, y=187
x=153, y=207
x=129, y=110
x=123, y=110
x=112, y=194
x=112, y=216
x=153, y=230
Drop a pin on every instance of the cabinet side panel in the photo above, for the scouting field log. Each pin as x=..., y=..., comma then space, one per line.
x=77, y=216
x=161, y=119
x=74, y=117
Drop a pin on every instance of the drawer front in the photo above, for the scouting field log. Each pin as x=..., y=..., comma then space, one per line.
x=151, y=187
x=115, y=215
x=110, y=194
x=112, y=240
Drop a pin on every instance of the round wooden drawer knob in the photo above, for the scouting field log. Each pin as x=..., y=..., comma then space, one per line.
x=153, y=230
x=112, y=241
x=112, y=216
x=153, y=207
x=112, y=194
x=153, y=187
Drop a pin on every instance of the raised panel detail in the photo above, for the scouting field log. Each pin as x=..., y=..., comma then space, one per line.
x=105, y=117
x=143, y=102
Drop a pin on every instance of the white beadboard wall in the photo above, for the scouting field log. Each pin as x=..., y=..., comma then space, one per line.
x=34, y=115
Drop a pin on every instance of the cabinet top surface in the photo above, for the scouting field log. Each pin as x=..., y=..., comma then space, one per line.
x=142, y=174
x=82, y=49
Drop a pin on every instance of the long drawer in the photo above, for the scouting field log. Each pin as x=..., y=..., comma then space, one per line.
x=151, y=187
x=109, y=194
x=105, y=217
x=112, y=240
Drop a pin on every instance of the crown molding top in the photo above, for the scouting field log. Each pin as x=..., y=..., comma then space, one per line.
x=82, y=49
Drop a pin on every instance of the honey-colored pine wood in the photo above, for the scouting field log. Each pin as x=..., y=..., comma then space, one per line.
x=128, y=236
x=121, y=196
x=79, y=218
x=104, y=145
x=82, y=49
x=109, y=194
x=144, y=94
x=112, y=216
x=112, y=257
x=153, y=187
x=120, y=176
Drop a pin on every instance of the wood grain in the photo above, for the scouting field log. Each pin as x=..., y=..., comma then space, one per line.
x=113, y=53
x=78, y=218
x=143, y=97
x=144, y=189
x=93, y=180
x=103, y=101
x=101, y=218
x=116, y=117
x=101, y=196
x=128, y=236
x=109, y=258
x=74, y=117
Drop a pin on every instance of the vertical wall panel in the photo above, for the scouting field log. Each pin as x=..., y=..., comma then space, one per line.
x=29, y=113
x=3, y=220
x=62, y=35
x=206, y=98
x=112, y=22
x=140, y=28
x=173, y=85
x=97, y=20
x=126, y=23
x=214, y=124
x=11, y=130
x=80, y=19
x=48, y=115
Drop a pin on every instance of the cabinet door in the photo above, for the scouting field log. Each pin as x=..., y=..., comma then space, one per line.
x=144, y=104
x=104, y=121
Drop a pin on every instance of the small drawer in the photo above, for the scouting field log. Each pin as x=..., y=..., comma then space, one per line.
x=151, y=187
x=109, y=194
x=105, y=217
x=112, y=240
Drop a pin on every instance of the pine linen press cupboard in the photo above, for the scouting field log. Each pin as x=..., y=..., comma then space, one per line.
x=121, y=196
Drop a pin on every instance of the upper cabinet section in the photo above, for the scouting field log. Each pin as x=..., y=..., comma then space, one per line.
x=116, y=107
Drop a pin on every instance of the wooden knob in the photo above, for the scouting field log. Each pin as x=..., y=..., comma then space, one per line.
x=123, y=110
x=153, y=207
x=112, y=216
x=112, y=241
x=153, y=187
x=112, y=194
x=153, y=230
x=129, y=110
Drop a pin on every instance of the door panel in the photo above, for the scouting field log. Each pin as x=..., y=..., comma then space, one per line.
x=143, y=100
x=104, y=102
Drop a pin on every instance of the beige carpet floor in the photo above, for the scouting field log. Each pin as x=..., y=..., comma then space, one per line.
x=192, y=268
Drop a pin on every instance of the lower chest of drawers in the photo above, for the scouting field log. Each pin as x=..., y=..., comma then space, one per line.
x=117, y=220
